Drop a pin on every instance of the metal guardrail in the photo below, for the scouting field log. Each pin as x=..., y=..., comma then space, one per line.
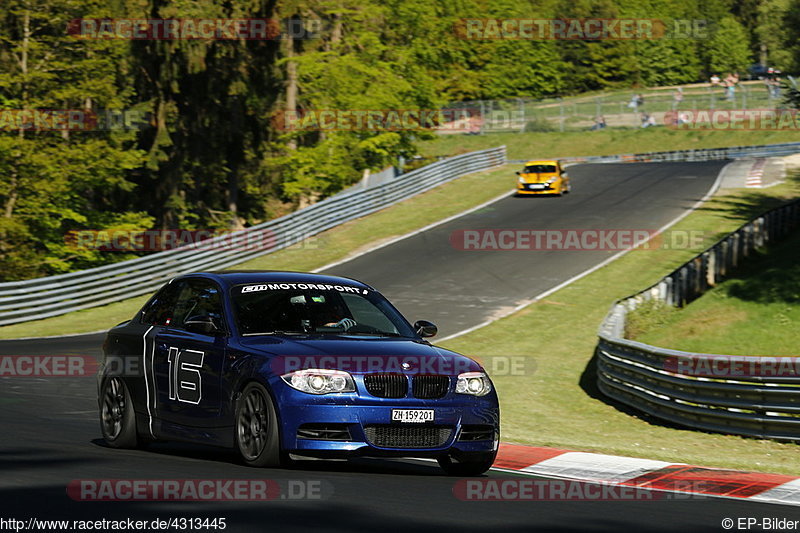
x=668, y=384
x=22, y=301
x=700, y=154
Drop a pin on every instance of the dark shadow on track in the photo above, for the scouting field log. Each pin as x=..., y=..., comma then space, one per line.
x=362, y=465
x=588, y=380
x=441, y=512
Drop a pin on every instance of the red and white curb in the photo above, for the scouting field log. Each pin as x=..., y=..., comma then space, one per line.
x=648, y=474
x=754, y=177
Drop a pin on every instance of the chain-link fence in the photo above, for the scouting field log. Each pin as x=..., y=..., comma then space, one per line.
x=621, y=109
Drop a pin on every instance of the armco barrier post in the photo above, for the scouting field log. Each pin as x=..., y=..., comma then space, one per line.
x=711, y=267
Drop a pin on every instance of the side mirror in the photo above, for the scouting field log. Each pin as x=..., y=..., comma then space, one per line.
x=517, y=173
x=202, y=324
x=425, y=328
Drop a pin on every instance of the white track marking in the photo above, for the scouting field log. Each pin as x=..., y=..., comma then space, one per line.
x=595, y=467
x=788, y=493
x=415, y=232
x=146, y=384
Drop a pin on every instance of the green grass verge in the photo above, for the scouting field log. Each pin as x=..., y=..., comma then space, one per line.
x=446, y=200
x=754, y=312
x=607, y=142
x=556, y=404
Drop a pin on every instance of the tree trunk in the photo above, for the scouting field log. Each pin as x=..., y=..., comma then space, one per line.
x=290, y=94
x=232, y=199
x=13, y=194
x=166, y=188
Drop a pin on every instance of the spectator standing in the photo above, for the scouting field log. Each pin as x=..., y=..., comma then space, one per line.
x=677, y=98
x=775, y=87
x=637, y=101
x=730, y=85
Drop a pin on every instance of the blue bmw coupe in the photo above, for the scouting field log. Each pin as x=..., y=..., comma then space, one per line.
x=278, y=363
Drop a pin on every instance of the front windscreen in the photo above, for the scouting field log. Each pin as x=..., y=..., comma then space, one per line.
x=539, y=169
x=318, y=309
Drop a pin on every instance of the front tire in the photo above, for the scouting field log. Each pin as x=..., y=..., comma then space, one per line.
x=117, y=417
x=257, y=434
x=471, y=465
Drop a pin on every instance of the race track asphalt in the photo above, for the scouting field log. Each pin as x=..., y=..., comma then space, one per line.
x=428, y=276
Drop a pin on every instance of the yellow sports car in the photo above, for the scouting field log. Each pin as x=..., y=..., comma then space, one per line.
x=543, y=177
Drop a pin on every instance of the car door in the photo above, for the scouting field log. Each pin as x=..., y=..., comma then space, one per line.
x=154, y=318
x=564, y=175
x=187, y=362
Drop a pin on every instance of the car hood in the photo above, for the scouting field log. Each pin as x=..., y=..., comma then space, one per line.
x=358, y=355
x=539, y=178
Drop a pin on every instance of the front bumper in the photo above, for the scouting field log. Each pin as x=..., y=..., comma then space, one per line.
x=548, y=189
x=359, y=424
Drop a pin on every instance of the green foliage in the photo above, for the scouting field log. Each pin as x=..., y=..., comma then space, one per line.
x=791, y=39
x=728, y=49
x=667, y=62
x=212, y=154
x=52, y=182
x=792, y=96
x=772, y=32
x=594, y=65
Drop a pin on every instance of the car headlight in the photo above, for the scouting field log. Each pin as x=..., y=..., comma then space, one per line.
x=521, y=179
x=474, y=383
x=320, y=381
x=552, y=180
